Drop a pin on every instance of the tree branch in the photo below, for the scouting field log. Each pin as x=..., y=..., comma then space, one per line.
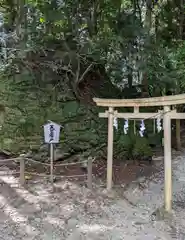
x=85, y=72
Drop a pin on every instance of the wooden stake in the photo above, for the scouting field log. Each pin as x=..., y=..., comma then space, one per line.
x=167, y=160
x=110, y=147
x=89, y=173
x=22, y=171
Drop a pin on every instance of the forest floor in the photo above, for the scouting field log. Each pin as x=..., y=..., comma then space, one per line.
x=69, y=211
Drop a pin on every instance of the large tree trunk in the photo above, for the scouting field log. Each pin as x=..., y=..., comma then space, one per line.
x=147, y=25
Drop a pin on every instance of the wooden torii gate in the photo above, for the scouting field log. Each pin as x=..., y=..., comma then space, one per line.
x=167, y=114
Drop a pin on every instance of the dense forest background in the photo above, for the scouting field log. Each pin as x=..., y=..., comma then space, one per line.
x=56, y=55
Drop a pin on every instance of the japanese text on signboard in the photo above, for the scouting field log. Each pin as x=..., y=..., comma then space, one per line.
x=51, y=134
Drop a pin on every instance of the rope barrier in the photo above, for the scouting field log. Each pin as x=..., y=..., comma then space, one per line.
x=56, y=165
x=46, y=164
x=23, y=173
x=10, y=159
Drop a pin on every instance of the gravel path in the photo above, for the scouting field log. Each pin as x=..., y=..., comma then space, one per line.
x=71, y=212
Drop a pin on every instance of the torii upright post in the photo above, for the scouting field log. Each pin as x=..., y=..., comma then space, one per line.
x=167, y=159
x=110, y=147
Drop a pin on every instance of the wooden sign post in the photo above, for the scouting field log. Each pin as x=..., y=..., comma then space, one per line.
x=51, y=136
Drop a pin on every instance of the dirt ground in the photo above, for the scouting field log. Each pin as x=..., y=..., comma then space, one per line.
x=69, y=211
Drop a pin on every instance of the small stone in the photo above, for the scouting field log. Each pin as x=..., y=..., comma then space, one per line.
x=72, y=223
x=109, y=193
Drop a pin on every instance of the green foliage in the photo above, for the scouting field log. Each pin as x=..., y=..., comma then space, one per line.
x=131, y=146
x=123, y=147
x=57, y=55
x=141, y=148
